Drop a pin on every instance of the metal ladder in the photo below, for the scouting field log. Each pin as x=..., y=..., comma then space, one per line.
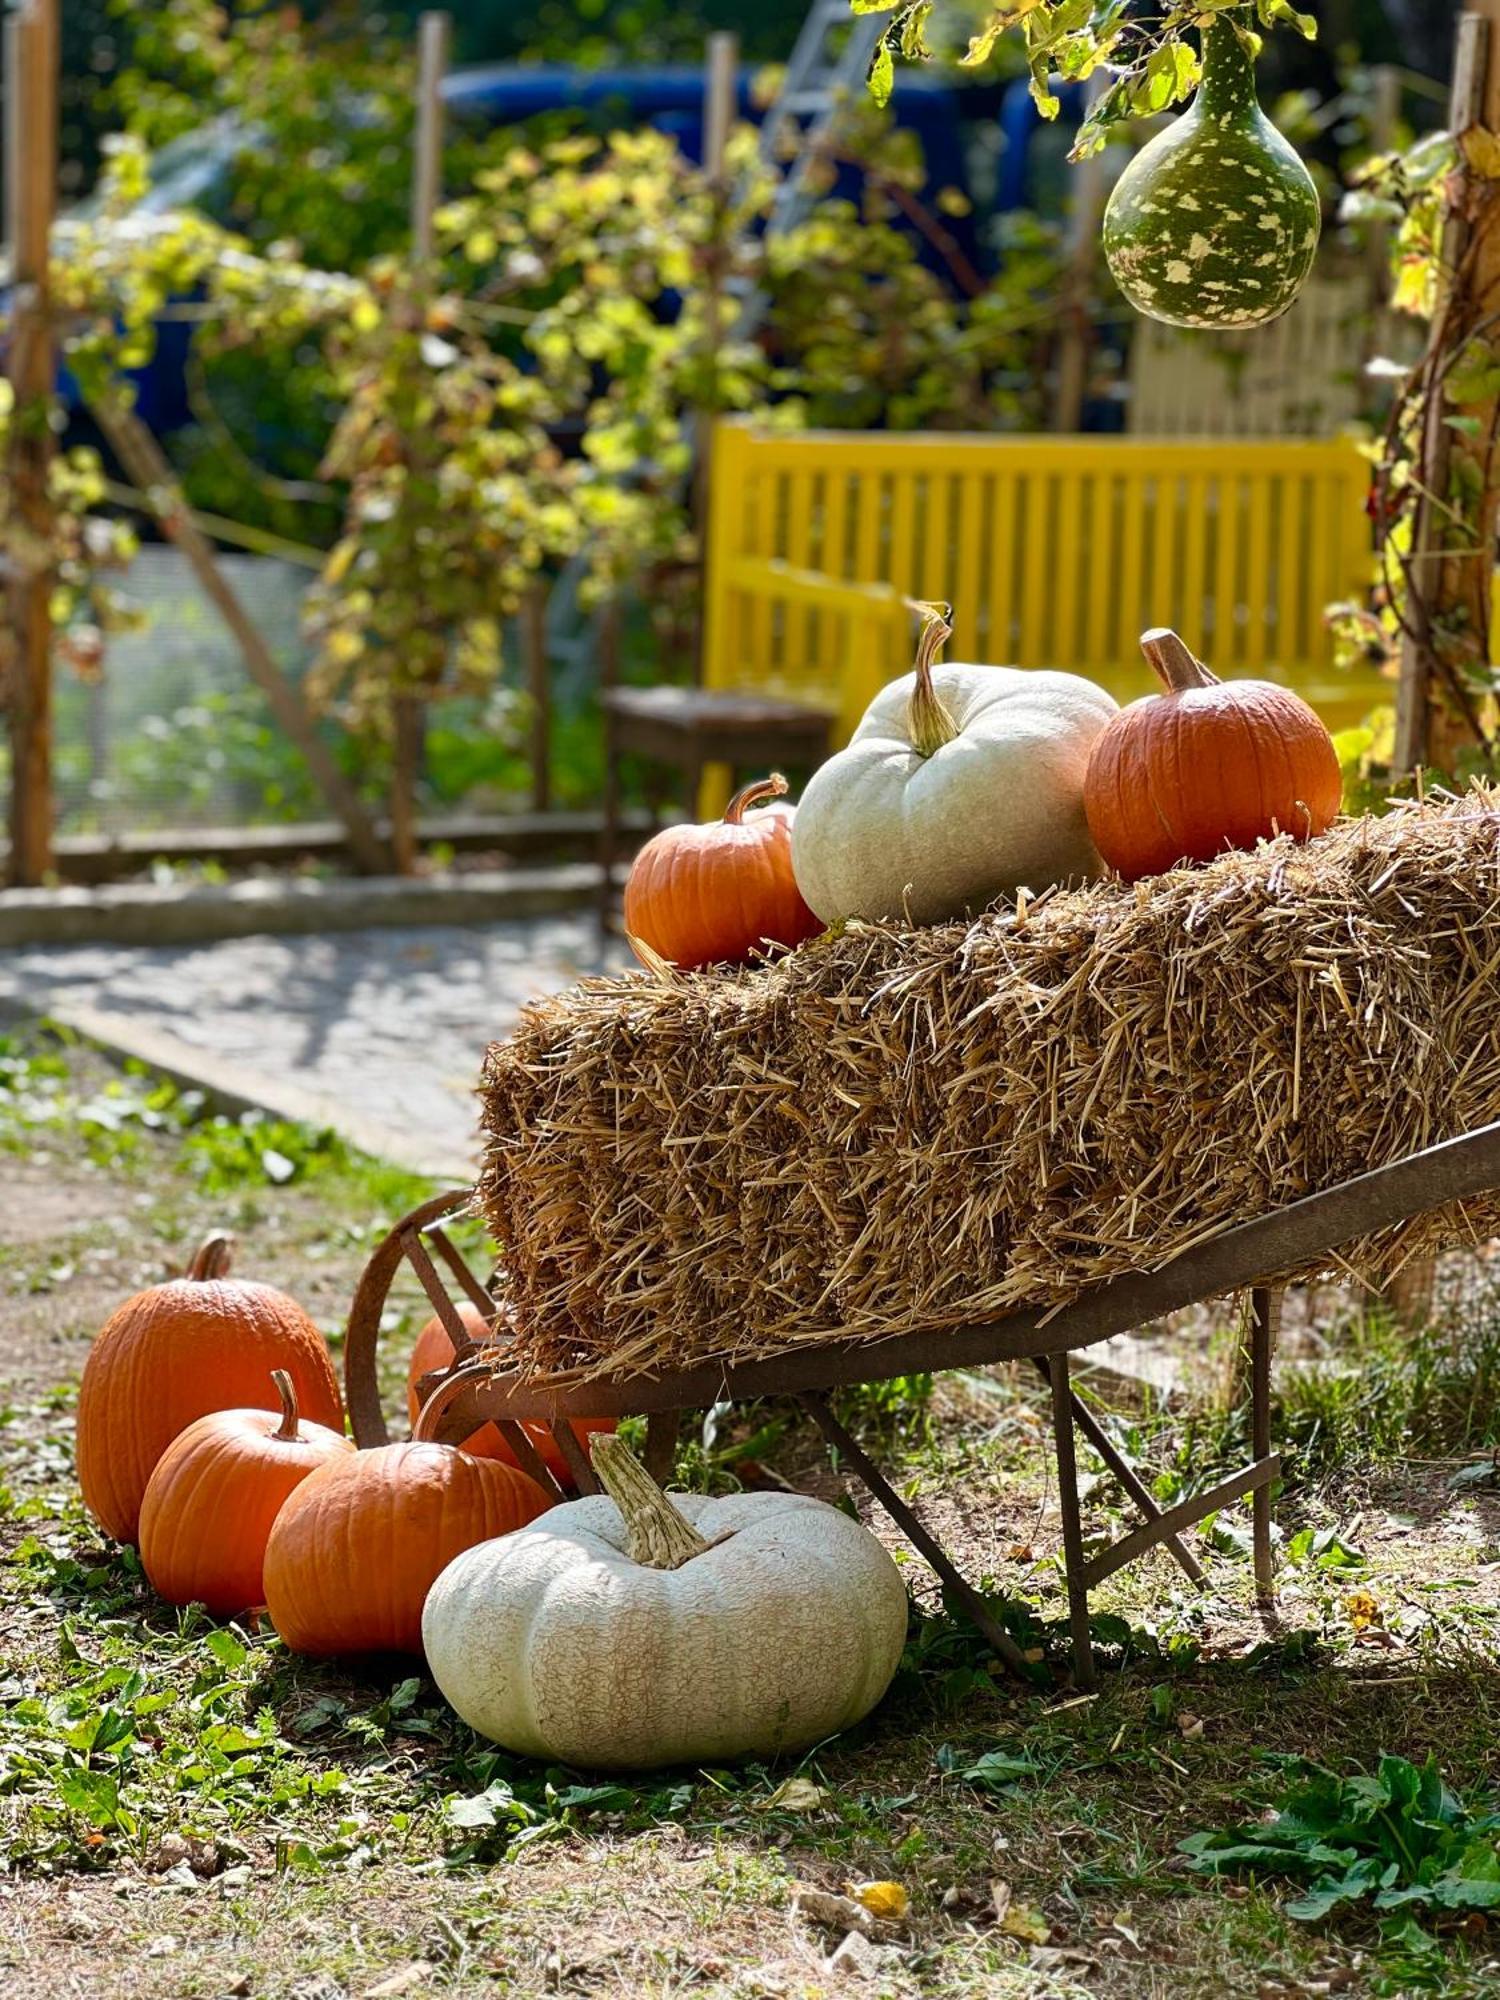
x=819, y=80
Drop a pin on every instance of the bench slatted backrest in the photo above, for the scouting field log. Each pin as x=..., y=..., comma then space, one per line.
x=1053, y=551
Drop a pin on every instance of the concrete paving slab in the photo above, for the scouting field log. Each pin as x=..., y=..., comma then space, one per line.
x=377, y=1033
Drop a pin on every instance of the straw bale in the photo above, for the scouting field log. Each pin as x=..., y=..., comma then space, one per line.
x=894, y=1127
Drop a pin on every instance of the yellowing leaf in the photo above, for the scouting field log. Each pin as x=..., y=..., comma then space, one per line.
x=1481, y=148
x=1024, y=1921
x=1361, y=1610
x=796, y=1794
x=886, y=1900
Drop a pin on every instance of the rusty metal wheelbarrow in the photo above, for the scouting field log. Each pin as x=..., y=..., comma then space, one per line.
x=474, y=1390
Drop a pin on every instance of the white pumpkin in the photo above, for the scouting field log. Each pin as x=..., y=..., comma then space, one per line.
x=629, y=1631
x=960, y=784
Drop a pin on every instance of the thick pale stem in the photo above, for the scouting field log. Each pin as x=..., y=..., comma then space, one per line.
x=1228, y=84
x=286, y=1430
x=753, y=795
x=928, y=723
x=657, y=1535
x=212, y=1258
x=1177, y=668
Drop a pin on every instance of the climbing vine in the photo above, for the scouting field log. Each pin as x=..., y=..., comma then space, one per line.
x=1153, y=58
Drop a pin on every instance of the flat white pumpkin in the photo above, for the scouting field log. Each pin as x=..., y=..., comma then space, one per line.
x=780, y=1622
x=961, y=784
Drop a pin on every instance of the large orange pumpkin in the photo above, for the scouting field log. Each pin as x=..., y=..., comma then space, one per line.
x=358, y=1545
x=701, y=895
x=1206, y=765
x=215, y=1492
x=176, y=1353
x=434, y=1350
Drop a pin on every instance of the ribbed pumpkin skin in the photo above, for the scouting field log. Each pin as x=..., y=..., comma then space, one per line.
x=1215, y=223
x=212, y=1499
x=704, y=895
x=434, y=1350
x=354, y=1551
x=1182, y=776
x=556, y=1643
x=176, y=1353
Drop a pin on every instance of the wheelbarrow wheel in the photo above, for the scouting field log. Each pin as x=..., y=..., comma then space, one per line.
x=420, y=1240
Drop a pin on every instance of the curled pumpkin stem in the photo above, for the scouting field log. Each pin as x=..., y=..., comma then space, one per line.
x=286, y=1389
x=212, y=1258
x=1177, y=667
x=657, y=1534
x=928, y=723
x=756, y=794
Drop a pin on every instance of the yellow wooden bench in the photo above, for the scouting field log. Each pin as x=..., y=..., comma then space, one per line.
x=1053, y=551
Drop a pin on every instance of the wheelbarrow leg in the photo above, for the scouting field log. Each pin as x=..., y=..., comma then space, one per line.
x=1265, y=1324
x=1072, y=1519
x=1130, y=1480
x=911, y=1526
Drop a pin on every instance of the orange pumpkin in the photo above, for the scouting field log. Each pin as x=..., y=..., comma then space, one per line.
x=700, y=895
x=178, y=1352
x=358, y=1545
x=1209, y=764
x=215, y=1492
x=435, y=1350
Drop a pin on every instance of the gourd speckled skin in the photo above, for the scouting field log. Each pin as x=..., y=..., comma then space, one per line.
x=1216, y=221
x=557, y=1642
x=935, y=821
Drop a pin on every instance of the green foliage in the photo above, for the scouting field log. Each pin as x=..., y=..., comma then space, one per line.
x=1154, y=63
x=1394, y=1839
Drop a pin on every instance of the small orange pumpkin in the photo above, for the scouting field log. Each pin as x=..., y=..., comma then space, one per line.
x=1204, y=766
x=178, y=1352
x=359, y=1543
x=703, y=895
x=215, y=1492
x=434, y=1350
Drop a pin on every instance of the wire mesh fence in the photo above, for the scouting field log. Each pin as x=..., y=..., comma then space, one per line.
x=173, y=732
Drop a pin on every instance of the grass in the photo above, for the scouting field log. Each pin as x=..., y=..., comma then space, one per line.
x=184, y=1806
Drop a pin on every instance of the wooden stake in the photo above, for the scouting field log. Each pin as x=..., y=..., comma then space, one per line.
x=146, y=466
x=433, y=34
x=720, y=86
x=1455, y=586
x=1083, y=251
x=31, y=38
x=539, y=688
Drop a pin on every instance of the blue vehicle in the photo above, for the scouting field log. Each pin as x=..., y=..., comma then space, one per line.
x=985, y=140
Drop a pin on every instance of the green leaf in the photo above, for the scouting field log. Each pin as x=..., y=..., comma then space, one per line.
x=1000, y=1770
x=882, y=76
x=227, y=1649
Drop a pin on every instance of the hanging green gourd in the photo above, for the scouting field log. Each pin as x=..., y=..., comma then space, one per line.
x=1214, y=224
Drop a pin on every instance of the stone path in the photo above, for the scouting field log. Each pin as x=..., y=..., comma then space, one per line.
x=378, y=1032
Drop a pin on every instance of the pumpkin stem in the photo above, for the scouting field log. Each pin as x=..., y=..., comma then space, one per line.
x=657, y=1534
x=286, y=1389
x=752, y=795
x=928, y=723
x=1176, y=667
x=212, y=1257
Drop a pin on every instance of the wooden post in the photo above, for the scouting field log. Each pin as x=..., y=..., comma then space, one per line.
x=1078, y=284
x=720, y=88
x=434, y=31
x=146, y=466
x=1451, y=579
x=539, y=688
x=407, y=719
x=31, y=37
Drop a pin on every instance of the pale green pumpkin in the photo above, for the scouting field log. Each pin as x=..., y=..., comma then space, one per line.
x=1215, y=223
